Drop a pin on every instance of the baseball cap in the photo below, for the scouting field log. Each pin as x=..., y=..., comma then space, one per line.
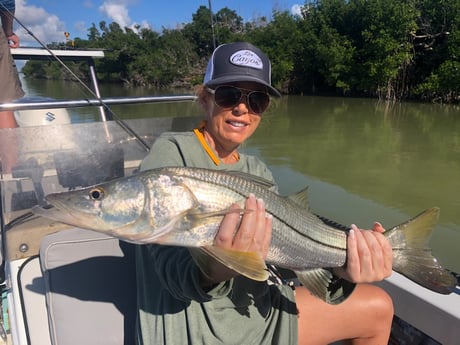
x=239, y=61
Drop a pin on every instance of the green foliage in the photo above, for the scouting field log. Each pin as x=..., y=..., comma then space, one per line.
x=391, y=49
x=279, y=40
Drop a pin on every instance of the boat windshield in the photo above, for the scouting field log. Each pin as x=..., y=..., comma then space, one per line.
x=40, y=160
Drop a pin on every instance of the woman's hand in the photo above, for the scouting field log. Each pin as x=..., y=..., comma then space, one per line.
x=13, y=41
x=251, y=234
x=369, y=256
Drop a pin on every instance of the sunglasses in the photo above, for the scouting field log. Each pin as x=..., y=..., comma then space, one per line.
x=229, y=96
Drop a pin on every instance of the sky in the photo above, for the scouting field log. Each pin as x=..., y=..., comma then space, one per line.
x=49, y=19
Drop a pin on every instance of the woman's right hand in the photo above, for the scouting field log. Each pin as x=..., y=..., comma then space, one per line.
x=252, y=234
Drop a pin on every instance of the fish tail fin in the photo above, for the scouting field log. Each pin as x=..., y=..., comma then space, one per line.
x=412, y=255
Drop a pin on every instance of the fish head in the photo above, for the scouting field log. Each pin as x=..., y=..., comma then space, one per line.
x=103, y=207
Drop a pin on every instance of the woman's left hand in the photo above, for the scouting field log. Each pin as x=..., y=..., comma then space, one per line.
x=369, y=256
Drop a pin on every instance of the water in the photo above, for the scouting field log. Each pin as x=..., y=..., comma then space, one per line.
x=363, y=160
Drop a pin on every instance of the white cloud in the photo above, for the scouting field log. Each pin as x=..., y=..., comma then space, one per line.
x=48, y=27
x=296, y=10
x=117, y=12
x=142, y=25
x=43, y=25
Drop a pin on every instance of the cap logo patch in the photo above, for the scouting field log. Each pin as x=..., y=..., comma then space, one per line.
x=246, y=58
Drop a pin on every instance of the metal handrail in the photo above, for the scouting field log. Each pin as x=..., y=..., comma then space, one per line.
x=21, y=105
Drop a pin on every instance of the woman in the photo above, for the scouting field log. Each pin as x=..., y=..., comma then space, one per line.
x=180, y=304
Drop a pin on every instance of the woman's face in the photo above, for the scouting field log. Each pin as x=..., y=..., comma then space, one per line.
x=231, y=126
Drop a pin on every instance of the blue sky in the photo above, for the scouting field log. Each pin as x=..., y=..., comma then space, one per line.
x=49, y=19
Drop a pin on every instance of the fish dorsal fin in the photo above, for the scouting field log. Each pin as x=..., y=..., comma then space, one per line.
x=188, y=171
x=253, y=178
x=248, y=264
x=300, y=198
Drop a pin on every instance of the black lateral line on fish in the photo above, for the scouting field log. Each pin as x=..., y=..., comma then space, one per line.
x=231, y=178
x=308, y=237
x=326, y=221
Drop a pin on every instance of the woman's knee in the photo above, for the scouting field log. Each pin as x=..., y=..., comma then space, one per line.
x=381, y=301
x=378, y=309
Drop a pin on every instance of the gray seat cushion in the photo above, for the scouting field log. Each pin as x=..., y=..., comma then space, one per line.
x=90, y=288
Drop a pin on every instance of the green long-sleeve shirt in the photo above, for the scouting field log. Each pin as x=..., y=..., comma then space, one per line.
x=174, y=309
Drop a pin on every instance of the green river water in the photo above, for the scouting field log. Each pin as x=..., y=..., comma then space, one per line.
x=363, y=160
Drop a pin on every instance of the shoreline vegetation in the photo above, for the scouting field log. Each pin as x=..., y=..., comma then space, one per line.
x=391, y=50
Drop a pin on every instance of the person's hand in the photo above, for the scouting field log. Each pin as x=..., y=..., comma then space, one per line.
x=369, y=256
x=13, y=41
x=251, y=234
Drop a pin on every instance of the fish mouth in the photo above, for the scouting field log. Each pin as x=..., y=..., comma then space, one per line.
x=53, y=212
x=61, y=213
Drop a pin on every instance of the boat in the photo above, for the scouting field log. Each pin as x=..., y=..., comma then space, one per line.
x=65, y=285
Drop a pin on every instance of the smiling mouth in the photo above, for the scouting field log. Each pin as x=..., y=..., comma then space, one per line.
x=237, y=124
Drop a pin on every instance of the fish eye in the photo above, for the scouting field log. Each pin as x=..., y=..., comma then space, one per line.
x=96, y=194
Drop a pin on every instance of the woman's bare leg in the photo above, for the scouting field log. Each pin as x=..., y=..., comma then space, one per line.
x=364, y=317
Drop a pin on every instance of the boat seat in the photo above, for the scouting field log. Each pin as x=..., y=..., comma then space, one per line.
x=31, y=291
x=90, y=288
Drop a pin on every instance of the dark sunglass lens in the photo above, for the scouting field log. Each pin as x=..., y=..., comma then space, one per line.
x=258, y=101
x=227, y=96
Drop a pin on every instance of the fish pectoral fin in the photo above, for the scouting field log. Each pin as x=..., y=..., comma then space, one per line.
x=195, y=218
x=198, y=215
x=248, y=264
x=324, y=285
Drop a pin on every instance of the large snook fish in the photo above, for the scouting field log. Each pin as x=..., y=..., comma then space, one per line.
x=184, y=207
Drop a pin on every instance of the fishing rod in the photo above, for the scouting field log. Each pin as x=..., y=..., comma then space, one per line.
x=117, y=119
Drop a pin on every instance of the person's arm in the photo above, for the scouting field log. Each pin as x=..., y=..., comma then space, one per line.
x=7, y=11
x=179, y=274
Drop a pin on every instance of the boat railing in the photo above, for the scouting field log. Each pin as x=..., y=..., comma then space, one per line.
x=55, y=104
x=88, y=56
